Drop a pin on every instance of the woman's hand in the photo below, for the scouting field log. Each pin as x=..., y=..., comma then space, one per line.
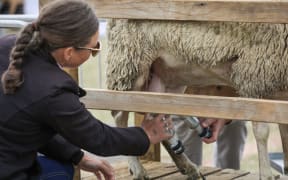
x=215, y=126
x=158, y=127
x=99, y=167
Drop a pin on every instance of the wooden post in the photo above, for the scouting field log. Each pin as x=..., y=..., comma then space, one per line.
x=153, y=153
x=43, y=2
x=74, y=74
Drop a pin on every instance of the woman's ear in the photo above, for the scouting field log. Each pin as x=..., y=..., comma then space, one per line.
x=68, y=52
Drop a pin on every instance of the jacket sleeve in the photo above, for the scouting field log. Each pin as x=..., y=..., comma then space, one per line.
x=60, y=149
x=69, y=117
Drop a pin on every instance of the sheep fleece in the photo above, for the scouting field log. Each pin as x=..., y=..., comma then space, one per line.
x=260, y=49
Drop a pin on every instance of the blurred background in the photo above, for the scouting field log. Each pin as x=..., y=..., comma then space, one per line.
x=19, y=7
x=92, y=75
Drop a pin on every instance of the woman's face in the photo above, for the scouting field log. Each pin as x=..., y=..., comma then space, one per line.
x=80, y=55
x=72, y=57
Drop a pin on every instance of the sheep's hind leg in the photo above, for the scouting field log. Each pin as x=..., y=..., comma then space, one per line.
x=135, y=167
x=261, y=133
x=183, y=163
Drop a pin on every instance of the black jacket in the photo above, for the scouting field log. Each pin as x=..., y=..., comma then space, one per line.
x=45, y=115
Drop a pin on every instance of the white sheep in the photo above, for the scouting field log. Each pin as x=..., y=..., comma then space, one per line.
x=167, y=56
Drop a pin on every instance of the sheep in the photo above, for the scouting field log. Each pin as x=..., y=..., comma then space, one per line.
x=168, y=56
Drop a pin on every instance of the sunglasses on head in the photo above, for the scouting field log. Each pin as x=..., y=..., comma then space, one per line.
x=94, y=51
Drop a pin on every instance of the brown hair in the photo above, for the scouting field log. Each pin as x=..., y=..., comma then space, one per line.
x=60, y=24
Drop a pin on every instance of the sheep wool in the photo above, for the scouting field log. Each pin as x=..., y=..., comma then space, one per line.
x=260, y=51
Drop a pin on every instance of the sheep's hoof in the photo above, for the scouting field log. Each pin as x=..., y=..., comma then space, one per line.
x=192, y=173
x=194, y=177
x=143, y=178
x=268, y=178
x=139, y=175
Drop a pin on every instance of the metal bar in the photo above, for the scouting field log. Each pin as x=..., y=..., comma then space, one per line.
x=15, y=21
x=26, y=17
x=12, y=24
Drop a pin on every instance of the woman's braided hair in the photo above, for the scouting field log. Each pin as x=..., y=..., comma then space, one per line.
x=68, y=23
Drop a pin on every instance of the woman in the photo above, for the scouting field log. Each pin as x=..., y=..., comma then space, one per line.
x=40, y=108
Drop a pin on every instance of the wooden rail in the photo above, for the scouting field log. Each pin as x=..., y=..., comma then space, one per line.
x=272, y=11
x=262, y=110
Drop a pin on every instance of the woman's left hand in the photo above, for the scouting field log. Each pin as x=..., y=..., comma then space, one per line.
x=99, y=167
